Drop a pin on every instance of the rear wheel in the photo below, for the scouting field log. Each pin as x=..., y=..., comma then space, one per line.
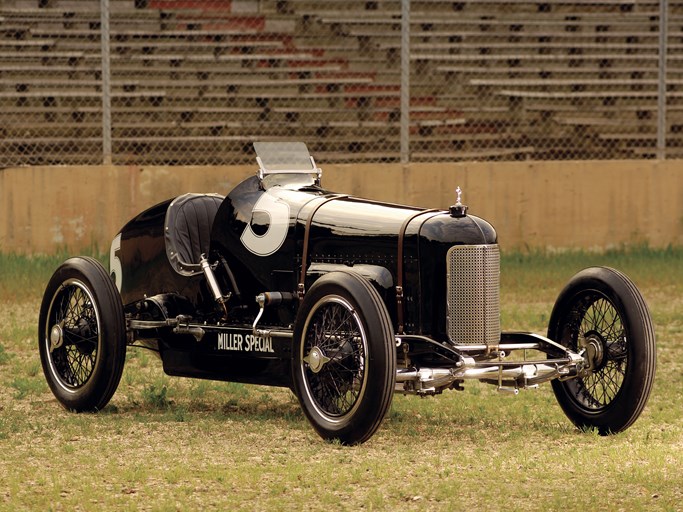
x=344, y=364
x=602, y=313
x=82, y=335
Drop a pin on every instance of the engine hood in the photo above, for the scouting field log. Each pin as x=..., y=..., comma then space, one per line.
x=262, y=224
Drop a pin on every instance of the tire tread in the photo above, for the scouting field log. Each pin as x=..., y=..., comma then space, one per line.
x=640, y=384
x=357, y=430
x=107, y=373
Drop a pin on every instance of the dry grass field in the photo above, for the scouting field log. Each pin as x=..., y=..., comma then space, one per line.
x=178, y=444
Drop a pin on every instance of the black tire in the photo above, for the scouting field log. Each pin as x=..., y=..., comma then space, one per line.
x=82, y=335
x=344, y=362
x=601, y=310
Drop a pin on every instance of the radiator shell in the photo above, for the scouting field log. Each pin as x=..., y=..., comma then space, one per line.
x=473, y=294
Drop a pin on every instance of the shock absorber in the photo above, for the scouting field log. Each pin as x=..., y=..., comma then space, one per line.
x=212, y=282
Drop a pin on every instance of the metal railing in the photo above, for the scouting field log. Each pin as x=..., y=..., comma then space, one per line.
x=188, y=82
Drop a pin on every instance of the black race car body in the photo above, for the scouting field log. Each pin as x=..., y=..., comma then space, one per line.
x=259, y=229
x=344, y=300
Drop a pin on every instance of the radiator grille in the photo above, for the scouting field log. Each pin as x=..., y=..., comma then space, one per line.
x=473, y=294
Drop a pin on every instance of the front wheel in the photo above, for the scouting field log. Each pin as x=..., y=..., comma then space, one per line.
x=344, y=364
x=82, y=335
x=601, y=314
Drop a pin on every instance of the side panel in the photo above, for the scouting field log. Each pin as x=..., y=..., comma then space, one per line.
x=356, y=232
x=143, y=262
x=345, y=231
x=256, y=232
x=231, y=354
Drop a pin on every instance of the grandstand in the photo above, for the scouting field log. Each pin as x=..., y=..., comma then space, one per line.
x=195, y=81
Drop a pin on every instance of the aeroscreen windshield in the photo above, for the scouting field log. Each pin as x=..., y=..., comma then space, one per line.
x=283, y=157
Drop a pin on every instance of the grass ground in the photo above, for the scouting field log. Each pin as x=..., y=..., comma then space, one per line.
x=178, y=444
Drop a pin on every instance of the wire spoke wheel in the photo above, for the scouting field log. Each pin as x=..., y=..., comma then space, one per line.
x=602, y=315
x=82, y=335
x=74, y=334
x=335, y=333
x=601, y=333
x=344, y=364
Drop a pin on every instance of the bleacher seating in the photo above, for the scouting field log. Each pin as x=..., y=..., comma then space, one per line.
x=194, y=81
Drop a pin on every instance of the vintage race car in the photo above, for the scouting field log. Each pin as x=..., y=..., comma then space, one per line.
x=344, y=300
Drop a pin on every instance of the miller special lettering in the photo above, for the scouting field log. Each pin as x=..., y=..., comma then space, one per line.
x=244, y=342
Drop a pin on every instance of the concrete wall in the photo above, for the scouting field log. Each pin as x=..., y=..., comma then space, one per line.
x=591, y=205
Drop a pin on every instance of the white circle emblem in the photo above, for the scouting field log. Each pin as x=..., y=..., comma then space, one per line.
x=274, y=237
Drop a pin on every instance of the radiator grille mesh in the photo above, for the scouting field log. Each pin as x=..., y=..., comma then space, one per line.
x=473, y=294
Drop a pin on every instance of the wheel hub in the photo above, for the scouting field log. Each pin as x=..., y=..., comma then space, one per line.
x=56, y=337
x=316, y=359
x=594, y=347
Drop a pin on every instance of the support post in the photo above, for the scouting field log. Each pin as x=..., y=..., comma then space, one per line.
x=661, y=85
x=405, y=82
x=106, y=83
